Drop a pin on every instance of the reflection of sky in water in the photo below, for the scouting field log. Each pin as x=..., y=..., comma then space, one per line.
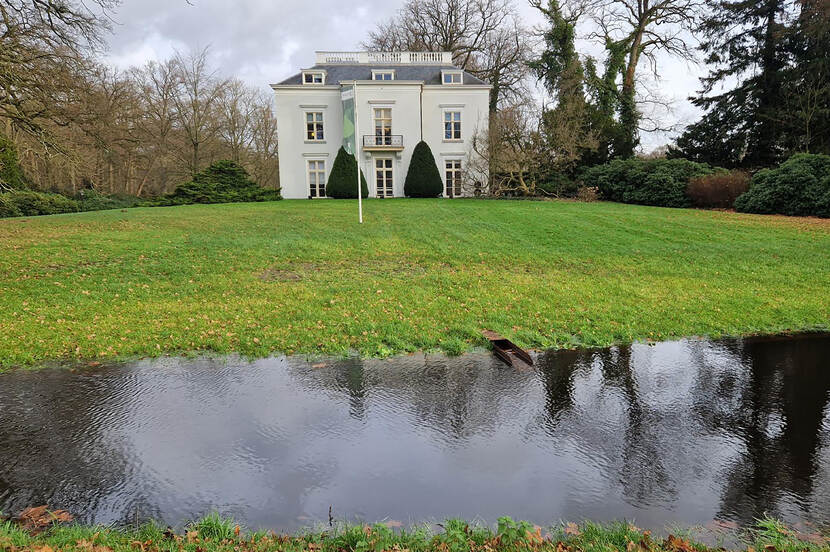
x=683, y=431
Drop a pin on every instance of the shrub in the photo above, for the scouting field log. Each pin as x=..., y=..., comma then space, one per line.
x=798, y=187
x=92, y=200
x=718, y=190
x=423, y=178
x=222, y=182
x=660, y=182
x=587, y=194
x=8, y=207
x=343, y=177
x=558, y=185
x=11, y=174
x=31, y=204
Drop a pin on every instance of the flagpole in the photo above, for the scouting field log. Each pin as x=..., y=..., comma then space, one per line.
x=357, y=139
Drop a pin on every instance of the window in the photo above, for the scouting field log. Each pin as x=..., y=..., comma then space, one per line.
x=314, y=77
x=452, y=181
x=316, y=178
x=451, y=77
x=383, y=75
x=452, y=125
x=383, y=126
x=383, y=178
x=314, y=126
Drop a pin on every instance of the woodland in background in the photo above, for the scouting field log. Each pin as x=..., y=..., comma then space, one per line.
x=77, y=124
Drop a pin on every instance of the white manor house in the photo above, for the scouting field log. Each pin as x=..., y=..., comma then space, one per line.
x=400, y=99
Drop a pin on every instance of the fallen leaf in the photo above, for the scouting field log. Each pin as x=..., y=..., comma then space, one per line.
x=572, y=529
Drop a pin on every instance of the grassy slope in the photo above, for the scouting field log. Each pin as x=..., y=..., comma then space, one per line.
x=215, y=534
x=418, y=274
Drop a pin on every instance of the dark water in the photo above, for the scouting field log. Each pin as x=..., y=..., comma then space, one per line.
x=686, y=432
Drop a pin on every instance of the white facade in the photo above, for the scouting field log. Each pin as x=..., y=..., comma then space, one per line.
x=401, y=99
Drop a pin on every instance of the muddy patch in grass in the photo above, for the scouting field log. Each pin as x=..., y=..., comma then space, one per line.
x=296, y=272
x=288, y=273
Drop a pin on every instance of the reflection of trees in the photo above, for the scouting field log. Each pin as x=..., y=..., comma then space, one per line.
x=457, y=397
x=779, y=419
x=643, y=474
x=50, y=433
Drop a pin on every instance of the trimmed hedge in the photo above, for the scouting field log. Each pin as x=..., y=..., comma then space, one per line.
x=28, y=204
x=798, y=187
x=659, y=182
x=222, y=182
x=343, y=177
x=423, y=178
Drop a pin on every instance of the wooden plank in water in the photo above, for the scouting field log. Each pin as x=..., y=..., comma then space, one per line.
x=506, y=349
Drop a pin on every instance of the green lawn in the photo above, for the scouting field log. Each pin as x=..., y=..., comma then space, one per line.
x=304, y=277
x=216, y=534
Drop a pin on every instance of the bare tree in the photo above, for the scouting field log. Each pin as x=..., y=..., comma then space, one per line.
x=265, y=162
x=196, y=104
x=512, y=153
x=485, y=37
x=637, y=30
x=42, y=51
x=236, y=111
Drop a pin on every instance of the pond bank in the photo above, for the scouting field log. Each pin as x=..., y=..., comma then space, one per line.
x=676, y=432
x=215, y=534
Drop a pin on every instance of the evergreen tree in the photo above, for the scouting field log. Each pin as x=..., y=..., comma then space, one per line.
x=568, y=125
x=343, y=178
x=807, y=84
x=423, y=178
x=745, y=40
x=222, y=182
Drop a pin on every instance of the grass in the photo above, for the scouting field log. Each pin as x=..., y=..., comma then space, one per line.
x=222, y=535
x=303, y=277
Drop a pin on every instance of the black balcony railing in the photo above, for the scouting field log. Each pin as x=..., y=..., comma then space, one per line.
x=383, y=141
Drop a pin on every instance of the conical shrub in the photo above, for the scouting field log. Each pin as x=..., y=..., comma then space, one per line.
x=343, y=177
x=423, y=178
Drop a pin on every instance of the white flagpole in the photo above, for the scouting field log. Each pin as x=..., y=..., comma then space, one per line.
x=357, y=139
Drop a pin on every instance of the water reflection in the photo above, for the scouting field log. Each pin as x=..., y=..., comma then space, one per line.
x=683, y=431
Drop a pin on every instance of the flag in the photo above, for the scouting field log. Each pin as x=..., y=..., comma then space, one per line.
x=349, y=138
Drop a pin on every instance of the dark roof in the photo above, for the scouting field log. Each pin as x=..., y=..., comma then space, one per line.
x=430, y=74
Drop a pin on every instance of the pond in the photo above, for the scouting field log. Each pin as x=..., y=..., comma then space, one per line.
x=688, y=431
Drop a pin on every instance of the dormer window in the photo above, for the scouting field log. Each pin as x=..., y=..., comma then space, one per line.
x=383, y=75
x=451, y=77
x=314, y=77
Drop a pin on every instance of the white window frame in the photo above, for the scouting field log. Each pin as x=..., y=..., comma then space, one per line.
x=319, y=169
x=458, y=179
x=452, y=78
x=378, y=72
x=455, y=125
x=387, y=135
x=309, y=78
x=391, y=169
x=318, y=138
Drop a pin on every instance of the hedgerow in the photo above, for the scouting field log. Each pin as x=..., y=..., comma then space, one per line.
x=799, y=187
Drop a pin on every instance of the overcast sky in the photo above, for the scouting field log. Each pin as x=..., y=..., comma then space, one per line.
x=264, y=41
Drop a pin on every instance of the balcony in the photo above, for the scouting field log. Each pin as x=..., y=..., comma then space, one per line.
x=383, y=142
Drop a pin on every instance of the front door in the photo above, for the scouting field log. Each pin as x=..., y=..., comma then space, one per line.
x=383, y=177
